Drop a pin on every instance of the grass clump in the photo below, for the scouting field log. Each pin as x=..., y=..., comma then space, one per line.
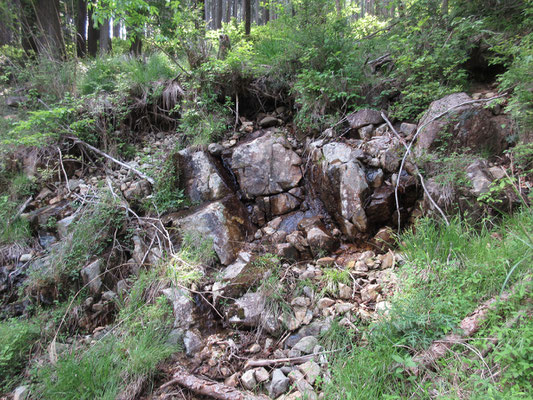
x=17, y=338
x=88, y=238
x=186, y=267
x=120, y=362
x=449, y=271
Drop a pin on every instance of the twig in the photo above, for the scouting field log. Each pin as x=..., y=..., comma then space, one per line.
x=418, y=130
x=100, y=152
x=63, y=168
x=291, y=360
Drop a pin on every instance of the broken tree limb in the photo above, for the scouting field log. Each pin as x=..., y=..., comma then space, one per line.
x=468, y=327
x=207, y=388
x=122, y=164
x=269, y=362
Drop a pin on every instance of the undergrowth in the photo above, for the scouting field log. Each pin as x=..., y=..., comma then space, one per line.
x=448, y=272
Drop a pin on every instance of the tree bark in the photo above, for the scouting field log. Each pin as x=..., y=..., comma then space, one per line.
x=266, y=13
x=105, y=37
x=93, y=34
x=218, y=14
x=50, y=38
x=444, y=7
x=247, y=17
x=116, y=29
x=338, y=7
x=81, y=29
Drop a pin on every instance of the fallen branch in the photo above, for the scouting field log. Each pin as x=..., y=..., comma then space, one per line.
x=277, y=361
x=468, y=326
x=122, y=164
x=22, y=208
x=207, y=388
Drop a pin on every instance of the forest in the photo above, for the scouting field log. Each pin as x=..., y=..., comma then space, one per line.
x=266, y=199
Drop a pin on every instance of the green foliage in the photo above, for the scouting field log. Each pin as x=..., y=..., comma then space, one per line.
x=133, y=352
x=125, y=74
x=448, y=272
x=88, y=238
x=17, y=338
x=17, y=189
x=167, y=196
x=187, y=265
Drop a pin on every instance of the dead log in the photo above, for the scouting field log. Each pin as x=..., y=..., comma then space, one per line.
x=277, y=361
x=468, y=327
x=207, y=388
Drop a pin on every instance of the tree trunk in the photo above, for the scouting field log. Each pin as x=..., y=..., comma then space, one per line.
x=228, y=11
x=218, y=14
x=235, y=13
x=81, y=29
x=444, y=7
x=93, y=34
x=116, y=29
x=50, y=37
x=105, y=37
x=247, y=17
x=266, y=13
x=338, y=7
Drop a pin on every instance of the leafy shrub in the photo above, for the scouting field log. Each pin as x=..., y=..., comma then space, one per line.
x=17, y=338
x=88, y=238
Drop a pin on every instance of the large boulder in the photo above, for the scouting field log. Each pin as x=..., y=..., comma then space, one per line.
x=265, y=166
x=468, y=127
x=225, y=221
x=341, y=184
x=364, y=117
x=200, y=176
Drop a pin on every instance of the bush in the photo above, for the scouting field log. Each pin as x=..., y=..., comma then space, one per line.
x=17, y=338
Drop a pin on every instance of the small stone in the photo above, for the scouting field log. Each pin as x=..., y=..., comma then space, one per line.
x=300, y=302
x=370, y=292
x=294, y=353
x=306, y=344
x=21, y=393
x=232, y=381
x=343, y=308
x=254, y=348
x=325, y=303
x=25, y=257
x=311, y=370
x=279, y=385
x=261, y=375
x=248, y=380
x=215, y=149
x=383, y=307
x=345, y=291
x=91, y=276
x=192, y=342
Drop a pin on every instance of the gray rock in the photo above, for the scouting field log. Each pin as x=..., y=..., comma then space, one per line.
x=364, y=117
x=468, y=127
x=341, y=184
x=21, y=393
x=261, y=375
x=225, y=222
x=311, y=371
x=91, y=276
x=283, y=203
x=183, y=307
x=25, y=257
x=247, y=310
x=306, y=344
x=407, y=129
x=192, y=342
x=320, y=240
x=200, y=178
x=269, y=122
x=279, y=385
x=248, y=380
x=479, y=176
x=266, y=166
x=174, y=337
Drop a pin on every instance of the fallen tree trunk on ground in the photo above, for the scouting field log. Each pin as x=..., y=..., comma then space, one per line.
x=207, y=388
